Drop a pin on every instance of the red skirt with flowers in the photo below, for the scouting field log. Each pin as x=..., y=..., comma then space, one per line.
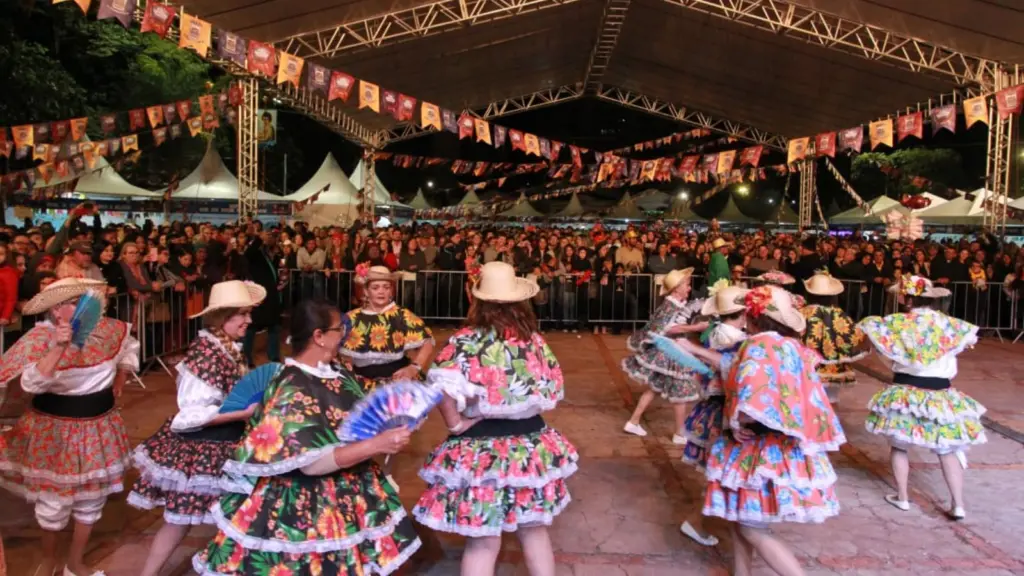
x=68, y=458
x=182, y=474
x=486, y=486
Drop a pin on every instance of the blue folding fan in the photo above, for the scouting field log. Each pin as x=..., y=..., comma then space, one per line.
x=390, y=406
x=249, y=389
x=680, y=356
x=87, y=315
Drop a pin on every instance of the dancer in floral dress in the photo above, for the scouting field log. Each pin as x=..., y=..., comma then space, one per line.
x=704, y=424
x=831, y=333
x=502, y=469
x=650, y=367
x=317, y=506
x=921, y=407
x=70, y=450
x=772, y=465
x=180, y=466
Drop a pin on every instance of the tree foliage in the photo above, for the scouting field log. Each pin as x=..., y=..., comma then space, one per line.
x=910, y=171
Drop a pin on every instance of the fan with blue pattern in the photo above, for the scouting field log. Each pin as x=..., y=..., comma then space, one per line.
x=390, y=406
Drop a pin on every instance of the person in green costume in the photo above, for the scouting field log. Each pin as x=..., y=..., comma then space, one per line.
x=718, y=268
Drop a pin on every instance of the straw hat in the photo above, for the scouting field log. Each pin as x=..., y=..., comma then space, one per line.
x=379, y=274
x=775, y=303
x=720, y=243
x=823, y=284
x=724, y=299
x=60, y=292
x=777, y=278
x=498, y=283
x=912, y=285
x=673, y=279
x=233, y=294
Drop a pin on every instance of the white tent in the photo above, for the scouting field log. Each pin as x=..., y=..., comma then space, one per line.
x=212, y=180
x=420, y=201
x=381, y=195
x=1018, y=204
x=626, y=209
x=953, y=212
x=470, y=199
x=785, y=215
x=574, y=209
x=337, y=206
x=653, y=200
x=108, y=183
x=731, y=213
x=680, y=210
x=877, y=208
x=522, y=208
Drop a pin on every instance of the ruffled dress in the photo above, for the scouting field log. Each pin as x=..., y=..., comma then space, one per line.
x=836, y=337
x=180, y=467
x=72, y=444
x=349, y=522
x=651, y=367
x=921, y=408
x=377, y=343
x=704, y=423
x=509, y=469
x=783, y=474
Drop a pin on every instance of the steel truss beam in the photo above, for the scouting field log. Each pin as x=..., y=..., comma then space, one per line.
x=315, y=105
x=863, y=40
x=693, y=118
x=402, y=25
x=808, y=191
x=248, y=153
x=607, y=37
x=1000, y=161
x=506, y=107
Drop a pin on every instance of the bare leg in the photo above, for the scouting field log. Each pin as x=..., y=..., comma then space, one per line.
x=540, y=558
x=480, y=556
x=681, y=412
x=900, y=461
x=953, y=472
x=641, y=406
x=777, y=555
x=48, y=543
x=167, y=538
x=76, y=553
x=743, y=553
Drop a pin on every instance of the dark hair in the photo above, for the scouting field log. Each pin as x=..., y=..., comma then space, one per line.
x=911, y=302
x=508, y=319
x=764, y=323
x=822, y=300
x=308, y=317
x=733, y=316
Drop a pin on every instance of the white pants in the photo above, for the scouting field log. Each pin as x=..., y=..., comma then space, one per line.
x=53, y=515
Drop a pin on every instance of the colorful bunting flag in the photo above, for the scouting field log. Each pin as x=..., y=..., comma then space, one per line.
x=749, y=157
x=851, y=139
x=406, y=107
x=121, y=10
x=136, y=119
x=880, y=132
x=430, y=116
x=195, y=34
x=483, y=130
x=369, y=96
x=725, y=161
x=83, y=4
x=155, y=115
x=341, y=87
x=976, y=110
x=318, y=78
x=289, y=69
x=1009, y=101
x=943, y=118
x=825, y=144
x=797, y=149
x=465, y=126
x=261, y=58
x=232, y=47
x=158, y=18
x=910, y=125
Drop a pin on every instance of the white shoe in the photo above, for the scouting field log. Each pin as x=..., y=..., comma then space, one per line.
x=634, y=429
x=679, y=440
x=70, y=573
x=958, y=513
x=691, y=533
x=895, y=501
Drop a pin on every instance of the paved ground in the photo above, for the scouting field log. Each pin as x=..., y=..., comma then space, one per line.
x=630, y=493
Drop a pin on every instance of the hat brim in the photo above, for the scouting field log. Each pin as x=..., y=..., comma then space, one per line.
x=710, y=308
x=51, y=297
x=372, y=277
x=933, y=292
x=257, y=294
x=522, y=289
x=791, y=318
x=833, y=288
x=685, y=274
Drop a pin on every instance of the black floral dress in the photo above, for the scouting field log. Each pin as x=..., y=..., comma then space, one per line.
x=181, y=470
x=377, y=342
x=349, y=522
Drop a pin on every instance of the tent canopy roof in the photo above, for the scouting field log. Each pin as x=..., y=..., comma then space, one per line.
x=419, y=202
x=523, y=208
x=955, y=211
x=878, y=207
x=212, y=180
x=341, y=191
x=573, y=208
x=732, y=213
x=626, y=209
x=680, y=210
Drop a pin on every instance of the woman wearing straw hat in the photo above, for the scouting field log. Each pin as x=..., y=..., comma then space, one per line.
x=784, y=281
x=704, y=424
x=772, y=466
x=180, y=465
x=502, y=469
x=650, y=367
x=70, y=451
x=831, y=333
x=921, y=407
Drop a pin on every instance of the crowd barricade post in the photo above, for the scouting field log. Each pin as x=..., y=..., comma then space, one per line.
x=440, y=295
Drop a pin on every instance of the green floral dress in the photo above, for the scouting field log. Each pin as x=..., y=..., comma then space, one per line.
x=349, y=522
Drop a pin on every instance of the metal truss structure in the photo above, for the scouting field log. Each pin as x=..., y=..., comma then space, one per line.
x=808, y=191
x=369, y=184
x=607, y=37
x=531, y=101
x=863, y=40
x=315, y=105
x=247, y=140
x=678, y=113
x=408, y=24
x=1000, y=161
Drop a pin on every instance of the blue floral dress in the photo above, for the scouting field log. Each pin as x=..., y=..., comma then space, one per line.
x=651, y=367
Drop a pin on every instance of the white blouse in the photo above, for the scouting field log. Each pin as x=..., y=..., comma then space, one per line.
x=198, y=402
x=82, y=381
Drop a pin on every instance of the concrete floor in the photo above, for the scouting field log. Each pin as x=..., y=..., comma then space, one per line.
x=630, y=494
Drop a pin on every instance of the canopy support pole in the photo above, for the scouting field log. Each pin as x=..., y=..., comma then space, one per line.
x=369, y=183
x=808, y=190
x=248, y=151
x=1000, y=159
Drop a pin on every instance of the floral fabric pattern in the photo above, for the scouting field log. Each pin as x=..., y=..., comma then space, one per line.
x=933, y=419
x=350, y=522
x=652, y=367
x=384, y=336
x=834, y=335
x=702, y=426
x=104, y=345
x=208, y=361
x=661, y=319
x=919, y=338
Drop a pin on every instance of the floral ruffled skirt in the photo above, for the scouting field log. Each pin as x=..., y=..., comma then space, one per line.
x=934, y=419
x=349, y=523
x=769, y=479
x=702, y=426
x=660, y=375
x=181, y=474
x=67, y=458
x=485, y=486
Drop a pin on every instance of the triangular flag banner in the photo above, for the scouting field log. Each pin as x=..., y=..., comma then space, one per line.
x=60, y=131
x=1009, y=101
x=532, y=144
x=797, y=149
x=210, y=121
x=195, y=34
x=232, y=47
x=943, y=118
x=449, y=121
x=500, y=135
x=261, y=58
x=483, y=130
x=158, y=18
x=155, y=115
x=184, y=109
x=129, y=142
x=341, y=86
x=516, y=137
x=725, y=161
x=880, y=132
x=910, y=125
x=289, y=69
x=121, y=10
x=406, y=107
x=430, y=115
x=976, y=110
x=42, y=132
x=23, y=136
x=83, y=4
x=78, y=127
x=851, y=139
x=41, y=152
x=825, y=144
x=369, y=96
x=318, y=78
x=465, y=126
x=390, y=101
x=206, y=104
x=137, y=119
x=195, y=125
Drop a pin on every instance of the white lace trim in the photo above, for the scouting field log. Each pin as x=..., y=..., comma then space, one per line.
x=308, y=546
x=848, y=360
x=536, y=518
x=373, y=358
x=32, y=496
x=110, y=472
x=808, y=447
x=455, y=384
x=791, y=513
x=465, y=478
x=919, y=411
x=236, y=468
x=761, y=476
x=177, y=481
x=368, y=569
x=320, y=371
x=138, y=501
x=939, y=444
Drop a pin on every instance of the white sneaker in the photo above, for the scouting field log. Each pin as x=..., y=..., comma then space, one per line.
x=634, y=429
x=678, y=440
x=691, y=533
x=958, y=513
x=895, y=501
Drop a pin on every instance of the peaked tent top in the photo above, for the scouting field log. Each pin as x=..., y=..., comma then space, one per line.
x=878, y=207
x=627, y=209
x=341, y=191
x=731, y=213
x=786, y=215
x=212, y=180
x=573, y=209
x=680, y=210
x=522, y=209
x=381, y=195
x=420, y=201
x=470, y=199
x=953, y=212
x=103, y=180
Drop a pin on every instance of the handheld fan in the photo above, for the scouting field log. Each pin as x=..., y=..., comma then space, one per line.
x=87, y=315
x=680, y=356
x=249, y=388
x=387, y=407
